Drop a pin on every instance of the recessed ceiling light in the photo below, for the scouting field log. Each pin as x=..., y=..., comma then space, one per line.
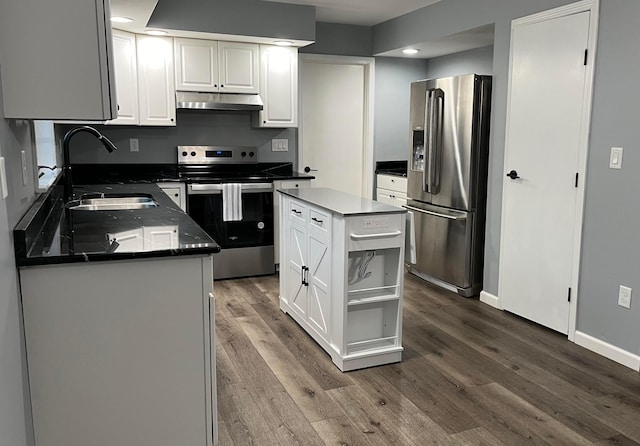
x=155, y=32
x=283, y=42
x=410, y=51
x=121, y=19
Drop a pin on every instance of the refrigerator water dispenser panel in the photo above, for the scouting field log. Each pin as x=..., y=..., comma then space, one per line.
x=417, y=158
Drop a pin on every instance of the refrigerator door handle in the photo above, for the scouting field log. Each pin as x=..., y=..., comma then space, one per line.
x=462, y=216
x=426, y=170
x=435, y=139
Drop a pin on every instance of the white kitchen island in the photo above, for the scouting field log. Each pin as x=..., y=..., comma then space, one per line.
x=341, y=273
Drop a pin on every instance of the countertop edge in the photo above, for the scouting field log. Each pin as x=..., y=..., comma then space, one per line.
x=294, y=193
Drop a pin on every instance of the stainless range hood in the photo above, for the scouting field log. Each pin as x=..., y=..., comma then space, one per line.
x=218, y=101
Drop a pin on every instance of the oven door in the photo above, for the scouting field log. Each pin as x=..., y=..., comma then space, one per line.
x=205, y=204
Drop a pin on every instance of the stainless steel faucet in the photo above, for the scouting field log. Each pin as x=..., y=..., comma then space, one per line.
x=68, y=191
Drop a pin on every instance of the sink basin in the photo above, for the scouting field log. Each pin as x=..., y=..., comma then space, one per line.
x=112, y=203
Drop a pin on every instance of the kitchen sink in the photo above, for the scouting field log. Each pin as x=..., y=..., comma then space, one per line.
x=112, y=202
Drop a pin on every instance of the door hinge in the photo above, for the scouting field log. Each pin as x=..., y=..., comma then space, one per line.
x=586, y=55
x=569, y=295
x=577, y=174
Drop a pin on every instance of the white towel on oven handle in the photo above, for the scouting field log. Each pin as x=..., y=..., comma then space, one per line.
x=231, y=202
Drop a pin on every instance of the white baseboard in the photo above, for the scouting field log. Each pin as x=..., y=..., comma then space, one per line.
x=490, y=300
x=608, y=351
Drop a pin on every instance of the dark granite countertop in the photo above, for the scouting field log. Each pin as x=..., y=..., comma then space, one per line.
x=51, y=234
x=397, y=168
x=157, y=173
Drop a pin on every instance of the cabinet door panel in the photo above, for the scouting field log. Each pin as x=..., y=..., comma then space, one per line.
x=126, y=73
x=156, y=80
x=297, y=259
x=318, y=305
x=238, y=67
x=279, y=86
x=196, y=65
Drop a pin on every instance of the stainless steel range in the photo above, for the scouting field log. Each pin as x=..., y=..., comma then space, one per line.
x=233, y=202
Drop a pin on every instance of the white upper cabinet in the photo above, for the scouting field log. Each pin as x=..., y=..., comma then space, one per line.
x=156, y=82
x=53, y=68
x=196, y=65
x=278, y=87
x=239, y=67
x=210, y=66
x=126, y=74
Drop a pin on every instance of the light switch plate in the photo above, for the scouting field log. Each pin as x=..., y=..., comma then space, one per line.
x=3, y=179
x=279, y=145
x=615, y=160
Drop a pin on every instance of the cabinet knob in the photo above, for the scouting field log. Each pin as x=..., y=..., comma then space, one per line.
x=221, y=86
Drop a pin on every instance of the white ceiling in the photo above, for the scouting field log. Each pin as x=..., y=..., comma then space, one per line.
x=353, y=12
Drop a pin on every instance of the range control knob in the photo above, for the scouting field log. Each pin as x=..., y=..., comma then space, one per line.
x=251, y=154
x=243, y=154
x=193, y=153
x=184, y=153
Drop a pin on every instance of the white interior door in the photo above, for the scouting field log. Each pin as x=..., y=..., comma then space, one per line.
x=544, y=141
x=334, y=125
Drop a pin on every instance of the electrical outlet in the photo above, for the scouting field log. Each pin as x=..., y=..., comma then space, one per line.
x=134, y=145
x=624, y=297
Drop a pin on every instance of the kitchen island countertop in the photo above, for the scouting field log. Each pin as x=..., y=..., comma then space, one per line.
x=340, y=202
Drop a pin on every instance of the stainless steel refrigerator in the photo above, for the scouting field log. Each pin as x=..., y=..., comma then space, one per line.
x=447, y=179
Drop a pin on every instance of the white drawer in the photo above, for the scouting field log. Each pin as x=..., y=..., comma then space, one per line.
x=392, y=182
x=297, y=211
x=319, y=222
x=376, y=231
x=295, y=184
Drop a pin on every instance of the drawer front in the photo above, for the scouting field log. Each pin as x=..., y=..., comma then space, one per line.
x=392, y=182
x=295, y=184
x=319, y=222
x=376, y=231
x=297, y=211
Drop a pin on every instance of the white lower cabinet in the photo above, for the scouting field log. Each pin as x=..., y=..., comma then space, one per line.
x=391, y=190
x=282, y=184
x=121, y=352
x=175, y=191
x=341, y=279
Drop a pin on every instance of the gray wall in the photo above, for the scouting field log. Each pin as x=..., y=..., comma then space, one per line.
x=239, y=17
x=611, y=244
x=478, y=61
x=158, y=144
x=607, y=260
x=393, y=77
x=13, y=390
x=340, y=40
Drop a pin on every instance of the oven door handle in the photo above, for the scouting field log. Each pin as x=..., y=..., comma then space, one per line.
x=217, y=188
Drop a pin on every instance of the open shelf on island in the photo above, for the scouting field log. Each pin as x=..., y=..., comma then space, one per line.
x=372, y=326
x=373, y=275
x=364, y=347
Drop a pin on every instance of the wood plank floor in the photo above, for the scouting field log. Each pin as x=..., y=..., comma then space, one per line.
x=470, y=375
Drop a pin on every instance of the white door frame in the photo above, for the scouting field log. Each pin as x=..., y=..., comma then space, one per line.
x=574, y=8
x=368, y=63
